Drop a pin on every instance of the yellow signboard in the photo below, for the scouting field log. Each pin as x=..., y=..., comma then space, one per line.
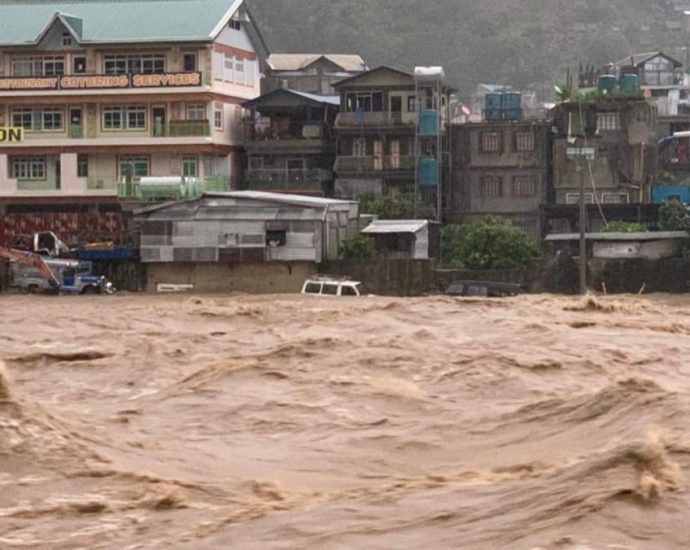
x=11, y=134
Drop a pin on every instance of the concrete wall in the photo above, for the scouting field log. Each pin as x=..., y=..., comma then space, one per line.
x=252, y=278
x=388, y=277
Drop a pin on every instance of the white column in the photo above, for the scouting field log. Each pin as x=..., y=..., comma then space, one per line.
x=8, y=186
x=70, y=184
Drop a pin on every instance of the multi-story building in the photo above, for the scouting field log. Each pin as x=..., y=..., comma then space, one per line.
x=501, y=169
x=290, y=143
x=310, y=73
x=106, y=93
x=377, y=131
x=621, y=135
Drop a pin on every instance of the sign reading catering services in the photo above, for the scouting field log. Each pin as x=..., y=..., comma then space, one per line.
x=101, y=81
x=11, y=134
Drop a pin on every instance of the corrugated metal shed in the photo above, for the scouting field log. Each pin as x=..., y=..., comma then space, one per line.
x=395, y=226
x=107, y=21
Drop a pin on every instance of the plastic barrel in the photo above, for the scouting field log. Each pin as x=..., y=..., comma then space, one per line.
x=428, y=123
x=428, y=172
x=607, y=83
x=630, y=84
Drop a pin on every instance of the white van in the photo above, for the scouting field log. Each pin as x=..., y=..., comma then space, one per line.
x=333, y=286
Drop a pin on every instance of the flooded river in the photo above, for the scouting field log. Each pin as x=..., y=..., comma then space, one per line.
x=297, y=422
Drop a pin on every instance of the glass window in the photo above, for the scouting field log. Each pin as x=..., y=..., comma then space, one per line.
x=29, y=168
x=134, y=166
x=492, y=186
x=330, y=289
x=346, y=290
x=359, y=147
x=189, y=62
x=82, y=166
x=239, y=70
x=196, y=111
x=136, y=118
x=37, y=119
x=134, y=63
x=228, y=68
x=313, y=288
x=112, y=118
x=411, y=104
x=608, y=121
x=119, y=117
x=49, y=65
x=218, y=119
x=190, y=167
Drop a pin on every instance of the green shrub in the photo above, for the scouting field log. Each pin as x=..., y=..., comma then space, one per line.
x=490, y=244
x=625, y=227
x=388, y=207
x=359, y=247
x=673, y=216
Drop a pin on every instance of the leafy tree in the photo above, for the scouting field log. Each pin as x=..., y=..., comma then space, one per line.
x=359, y=247
x=490, y=244
x=387, y=207
x=673, y=216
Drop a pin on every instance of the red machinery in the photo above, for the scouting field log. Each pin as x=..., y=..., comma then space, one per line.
x=32, y=259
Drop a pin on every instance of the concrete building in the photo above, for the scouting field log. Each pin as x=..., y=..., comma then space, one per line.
x=501, y=169
x=106, y=93
x=377, y=131
x=290, y=142
x=310, y=73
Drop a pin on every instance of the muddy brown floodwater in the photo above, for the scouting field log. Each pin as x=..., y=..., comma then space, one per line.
x=298, y=422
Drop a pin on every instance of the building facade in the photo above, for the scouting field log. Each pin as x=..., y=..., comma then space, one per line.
x=290, y=142
x=501, y=169
x=377, y=131
x=154, y=93
x=310, y=73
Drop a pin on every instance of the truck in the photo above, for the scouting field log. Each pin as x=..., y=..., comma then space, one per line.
x=34, y=273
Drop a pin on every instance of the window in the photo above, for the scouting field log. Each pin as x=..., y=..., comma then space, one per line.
x=37, y=119
x=348, y=291
x=276, y=238
x=615, y=198
x=133, y=167
x=364, y=101
x=38, y=66
x=79, y=65
x=132, y=117
x=239, y=70
x=359, y=147
x=218, y=118
x=134, y=63
x=524, y=186
x=234, y=24
x=190, y=167
x=29, y=168
x=189, y=62
x=196, y=111
x=82, y=166
x=492, y=186
x=492, y=142
x=574, y=198
x=524, y=141
x=228, y=68
x=330, y=289
x=66, y=39
x=411, y=104
x=608, y=121
x=312, y=288
x=256, y=163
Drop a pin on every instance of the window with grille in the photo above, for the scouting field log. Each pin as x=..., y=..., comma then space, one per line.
x=492, y=142
x=190, y=167
x=29, y=168
x=132, y=117
x=574, y=198
x=134, y=63
x=218, y=118
x=524, y=141
x=228, y=68
x=615, y=198
x=492, y=186
x=608, y=121
x=524, y=186
x=48, y=65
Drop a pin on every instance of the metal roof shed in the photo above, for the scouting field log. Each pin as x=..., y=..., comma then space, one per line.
x=403, y=239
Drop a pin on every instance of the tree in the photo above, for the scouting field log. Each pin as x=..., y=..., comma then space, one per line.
x=673, y=216
x=387, y=208
x=359, y=247
x=490, y=244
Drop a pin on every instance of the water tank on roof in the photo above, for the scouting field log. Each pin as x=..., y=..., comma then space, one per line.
x=428, y=172
x=607, y=83
x=630, y=84
x=428, y=123
x=431, y=74
x=493, y=101
x=512, y=106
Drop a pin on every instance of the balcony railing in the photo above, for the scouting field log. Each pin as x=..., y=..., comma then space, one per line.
x=76, y=131
x=302, y=179
x=376, y=119
x=389, y=163
x=184, y=128
x=296, y=130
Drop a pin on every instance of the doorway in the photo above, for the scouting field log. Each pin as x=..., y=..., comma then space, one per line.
x=158, y=114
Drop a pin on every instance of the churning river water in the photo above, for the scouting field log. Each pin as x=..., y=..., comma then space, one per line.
x=299, y=422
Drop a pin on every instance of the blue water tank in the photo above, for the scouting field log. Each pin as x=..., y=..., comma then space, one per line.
x=607, y=83
x=512, y=106
x=428, y=123
x=630, y=84
x=493, y=115
x=666, y=193
x=428, y=172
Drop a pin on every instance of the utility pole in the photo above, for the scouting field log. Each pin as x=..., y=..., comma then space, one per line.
x=579, y=154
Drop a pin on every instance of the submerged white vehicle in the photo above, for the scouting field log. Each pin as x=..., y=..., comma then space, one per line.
x=325, y=285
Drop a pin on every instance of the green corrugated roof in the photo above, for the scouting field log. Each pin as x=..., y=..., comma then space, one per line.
x=108, y=21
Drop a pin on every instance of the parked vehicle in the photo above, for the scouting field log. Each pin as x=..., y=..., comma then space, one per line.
x=324, y=285
x=486, y=289
x=33, y=273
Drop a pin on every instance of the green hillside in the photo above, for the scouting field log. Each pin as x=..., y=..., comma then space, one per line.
x=521, y=42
